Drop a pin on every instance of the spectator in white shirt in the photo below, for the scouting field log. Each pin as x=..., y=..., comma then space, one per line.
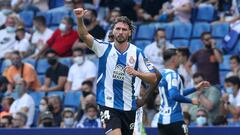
x=235, y=66
x=81, y=70
x=24, y=103
x=155, y=50
x=41, y=33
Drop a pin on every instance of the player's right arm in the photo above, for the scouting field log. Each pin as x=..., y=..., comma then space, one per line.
x=82, y=30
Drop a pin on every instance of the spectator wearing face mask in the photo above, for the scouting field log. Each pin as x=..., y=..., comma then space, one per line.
x=154, y=51
x=90, y=118
x=6, y=121
x=46, y=120
x=201, y=118
x=56, y=74
x=81, y=70
x=23, y=103
x=21, y=71
x=22, y=44
x=68, y=119
x=62, y=39
x=43, y=105
x=20, y=120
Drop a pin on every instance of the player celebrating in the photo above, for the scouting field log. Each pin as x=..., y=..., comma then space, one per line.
x=122, y=66
x=171, y=92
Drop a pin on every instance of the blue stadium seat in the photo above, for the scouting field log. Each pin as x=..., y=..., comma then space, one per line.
x=223, y=74
x=42, y=66
x=195, y=45
x=41, y=78
x=142, y=43
x=168, y=29
x=30, y=61
x=226, y=63
x=55, y=3
x=57, y=17
x=47, y=17
x=219, y=30
x=205, y=13
x=35, y=118
x=59, y=93
x=146, y=31
x=199, y=28
x=72, y=99
x=37, y=96
x=180, y=43
x=182, y=30
x=66, y=61
x=27, y=17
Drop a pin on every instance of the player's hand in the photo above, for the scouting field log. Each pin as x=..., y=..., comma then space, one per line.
x=202, y=85
x=79, y=12
x=130, y=70
x=195, y=101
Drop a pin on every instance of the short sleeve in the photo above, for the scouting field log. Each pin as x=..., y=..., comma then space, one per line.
x=70, y=74
x=99, y=47
x=64, y=71
x=48, y=73
x=144, y=64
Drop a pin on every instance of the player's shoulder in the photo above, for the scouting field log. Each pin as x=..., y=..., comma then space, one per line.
x=99, y=41
x=169, y=73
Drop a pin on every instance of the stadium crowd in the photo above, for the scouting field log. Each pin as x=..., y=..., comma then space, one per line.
x=48, y=76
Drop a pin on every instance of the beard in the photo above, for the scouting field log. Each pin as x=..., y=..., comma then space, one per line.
x=121, y=39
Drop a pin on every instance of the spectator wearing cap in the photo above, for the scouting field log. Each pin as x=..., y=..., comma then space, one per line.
x=56, y=74
x=68, y=118
x=80, y=71
x=24, y=102
x=40, y=33
x=6, y=104
x=46, y=120
x=22, y=44
x=90, y=118
x=62, y=39
x=21, y=71
x=20, y=120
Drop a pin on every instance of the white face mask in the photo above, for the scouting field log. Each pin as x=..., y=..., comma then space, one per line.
x=161, y=42
x=10, y=29
x=78, y=60
x=42, y=108
x=68, y=122
x=201, y=120
x=62, y=27
x=229, y=90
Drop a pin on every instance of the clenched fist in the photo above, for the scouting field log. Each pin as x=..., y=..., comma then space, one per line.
x=79, y=12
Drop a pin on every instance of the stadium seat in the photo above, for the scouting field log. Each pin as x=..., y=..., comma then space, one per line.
x=27, y=17
x=47, y=17
x=168, y=29
x=30, y=61
x=55, y=3
x=66, y=61
x=180, y=43
x=42, y=66
x=205, y=13
x=57, y=17
x=146, y=31
x=142, y=43
x=37, y=96
x=41, y=78
x=226, y=63
x=219, y=30
x=59, y=93
x=182, y=30
x=199, y=28
x=195, y=45
x=72, y=99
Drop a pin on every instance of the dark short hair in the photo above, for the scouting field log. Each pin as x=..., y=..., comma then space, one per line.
x=234, y=80
x=93, y=12
x=9, y=99
x=40, y=19
x=50, y=51
x=88, y=106
x=184, y=51
x=69, y=20
x=159, y=29
x=235, y=57
x=16, y=53
x=169, y=53
x=198, y=74
x=205, y=33
x=3, y=80
x=88, y=82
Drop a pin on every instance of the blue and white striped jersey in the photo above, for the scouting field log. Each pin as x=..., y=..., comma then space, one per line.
x=170, y=90
x=115, y=88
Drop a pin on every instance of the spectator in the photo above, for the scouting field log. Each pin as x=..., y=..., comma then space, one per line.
x=187, y=118
x=152, y=6
x=21, y=5
x=220, y=121
x=183, y=70
x=155, y=50
x=56, y=74
x=235, y=66
x=68, y=119
x=7, y=38
x=20, y=120
x=20, y=70
x=209, y=99
x=87, y=88
x=41, y=33
x=43, y=107
x=6, y=104
x=6, y=121
x=90, y=118
x=24, y=102
x=55, y=106
x=81, y=70
x=207, y=60
x=231, y=98
x=22, y=44
x=202, y=118
x=62, y=39
x=46, y=120
x=3, y=86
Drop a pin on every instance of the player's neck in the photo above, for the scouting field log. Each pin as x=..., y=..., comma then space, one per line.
x=122, y=47
x=170, y=66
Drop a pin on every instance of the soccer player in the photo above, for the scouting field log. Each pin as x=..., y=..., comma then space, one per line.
x=122, y=66
x=171, y=92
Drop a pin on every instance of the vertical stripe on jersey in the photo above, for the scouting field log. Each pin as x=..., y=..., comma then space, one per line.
x=102, y=74
x=118, y=84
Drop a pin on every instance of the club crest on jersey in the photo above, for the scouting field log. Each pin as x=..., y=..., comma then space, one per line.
x=131, y=60
x=118, y=72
